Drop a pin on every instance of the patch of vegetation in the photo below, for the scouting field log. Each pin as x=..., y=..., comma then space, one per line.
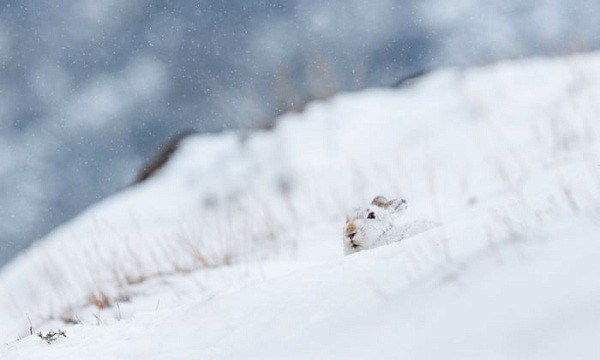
x=52, y=335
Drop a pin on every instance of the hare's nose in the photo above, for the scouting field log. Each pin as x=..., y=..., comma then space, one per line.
x=351, y=236
x=351, y=229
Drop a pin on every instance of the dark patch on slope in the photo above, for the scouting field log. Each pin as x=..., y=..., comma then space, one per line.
x=410, y=78
x=165, y=152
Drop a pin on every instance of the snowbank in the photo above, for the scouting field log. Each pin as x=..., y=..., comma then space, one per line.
x=234, y=249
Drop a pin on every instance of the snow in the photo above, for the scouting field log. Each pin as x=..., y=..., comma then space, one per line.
x=536, y=302
x=234, y=249
x=88, y=90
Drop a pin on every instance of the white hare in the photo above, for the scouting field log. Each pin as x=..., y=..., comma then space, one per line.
x=379, y=225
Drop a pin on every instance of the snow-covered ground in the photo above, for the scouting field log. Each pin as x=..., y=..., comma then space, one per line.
x=234, y=249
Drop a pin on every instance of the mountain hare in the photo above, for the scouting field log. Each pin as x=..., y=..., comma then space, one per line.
x=378, y=225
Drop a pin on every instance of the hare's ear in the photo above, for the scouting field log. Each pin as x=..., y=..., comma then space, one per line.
x=380, y=201
x=396, y=205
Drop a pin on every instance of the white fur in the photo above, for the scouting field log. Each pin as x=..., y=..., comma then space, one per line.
x=362, y=232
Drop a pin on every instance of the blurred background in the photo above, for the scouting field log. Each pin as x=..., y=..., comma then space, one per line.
x=90, y=89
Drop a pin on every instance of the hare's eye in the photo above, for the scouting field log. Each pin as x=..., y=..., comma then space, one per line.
x=371, y=215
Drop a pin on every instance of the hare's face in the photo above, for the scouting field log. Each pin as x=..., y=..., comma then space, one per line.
x=364, y=227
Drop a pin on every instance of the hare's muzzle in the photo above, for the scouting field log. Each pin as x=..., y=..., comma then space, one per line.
x=351, y=230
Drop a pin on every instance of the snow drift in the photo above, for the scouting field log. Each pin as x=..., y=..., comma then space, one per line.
x=234, y=249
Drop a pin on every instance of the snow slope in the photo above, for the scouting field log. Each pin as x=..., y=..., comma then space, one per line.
x=234, y=249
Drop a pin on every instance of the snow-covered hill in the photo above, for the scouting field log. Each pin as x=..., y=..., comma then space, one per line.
x=233, y=250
